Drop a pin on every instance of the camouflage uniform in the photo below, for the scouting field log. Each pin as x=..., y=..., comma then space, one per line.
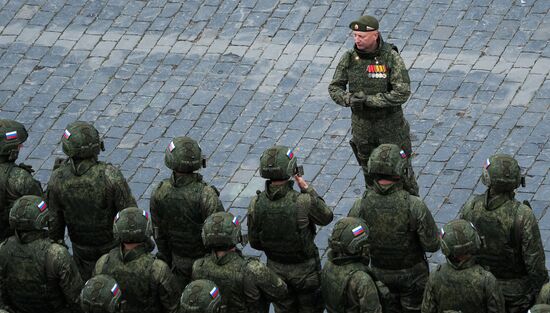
x=514, y=251
x=179, y=206
x=281, y=222
x=200, y=296
x=461, y=285
x=245, y=284
x=15, y=180
x=540, y=308
x=85, y=195
x=374, y=85
x=401, y=228
x=101, y=294
x=346, y=284
x=544, y=295
x=35, y=274
x=147, y=284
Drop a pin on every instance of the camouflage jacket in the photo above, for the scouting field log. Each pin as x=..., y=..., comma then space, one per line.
x=179, y=206
x=512, y=238
x=15, y=181
x=466, y=288
x=38, y=276
x=246, y=284
x=147, y=284
x=85, y=198
x=390, y=89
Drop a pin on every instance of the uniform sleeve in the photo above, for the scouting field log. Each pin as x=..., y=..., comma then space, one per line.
x=466, y=209
x=400, y=86
x=429, y=300
x=426, y=228
x=161, y=232
x=167, y=286
x=338, y=86
x=362, y=294
x=121, y=195
x=253, y=236
x=533, y=251
x=98, y=268
x=355, y=210
x=57, y=225
x=211, y=203
x=261, y=281
x=495, y=299
x=319, y=212
x=62, y=267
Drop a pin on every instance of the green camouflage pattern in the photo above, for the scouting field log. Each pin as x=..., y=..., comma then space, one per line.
x=132, y=225
x=29, y=213
x=377, y=116
x=459, y=238
x=101, y=294
x=277, y=163
x=85, y=196
x=15, y=182
x=466, y=288
x=501, y=172
x=183, y=155
x=146, y=283
x=12, y=135
x=179, y=206
x=200, y=296
x=544, y=295
x=221, y=231
x=349, y=236
x=387, y=160
x=38, y=276
x=246, y=284
x=540, y=308
x=81, y=140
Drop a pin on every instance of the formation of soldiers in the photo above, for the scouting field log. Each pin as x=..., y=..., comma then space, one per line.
x=377, y=258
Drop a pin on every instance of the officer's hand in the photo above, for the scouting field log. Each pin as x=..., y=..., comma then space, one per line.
x=358, y=99
x=301, y=182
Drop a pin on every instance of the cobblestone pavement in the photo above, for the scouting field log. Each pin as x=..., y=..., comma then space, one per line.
x=241, y=76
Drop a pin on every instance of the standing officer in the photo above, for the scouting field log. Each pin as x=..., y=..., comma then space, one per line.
x=147, y=284
x=345, y=280
x=514, y=251
x=101, y=294
x=179, y=206
x=401, y=227
x=15, y=180
x=200, y=296
x=373, y=80
x=281, y=222
x=461, y=285
x=246, y=284
x=85, y=195
x=36, y=275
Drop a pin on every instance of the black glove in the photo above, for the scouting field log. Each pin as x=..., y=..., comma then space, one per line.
x=358, y=100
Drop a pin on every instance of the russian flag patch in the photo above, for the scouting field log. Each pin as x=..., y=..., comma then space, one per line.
x=117, y=216
x=358, y=230
x=171, y=146
x=235, y=221
x=290, y=154
x=487, y=164
x=11, y=135
x=215, y=292
x=115, y=290
x=66, y=134
x=403, y=154
x=146, y=214
x=42, y=206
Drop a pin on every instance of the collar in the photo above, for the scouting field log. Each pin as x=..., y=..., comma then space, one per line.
x=343, y=259
x=275, y=192
x=144, y=248
x=81, y=166
x=30, y=236
x=495, y=200
x=462, y=265
x=370, y=55
x=386, y=189
x=226, y=258
x=184, y=179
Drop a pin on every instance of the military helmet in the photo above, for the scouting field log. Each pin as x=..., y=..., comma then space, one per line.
x=183, y=155
x=12, y=134
x=100, y=294
x=29, y=213
x=458, y=238
x=81, y=140
x=349, y=236
x=278, y=163
x=388, y=159
x=132, y=225
x=221, y=230
x=502, y=172
x=200, y=296
x=540, y=308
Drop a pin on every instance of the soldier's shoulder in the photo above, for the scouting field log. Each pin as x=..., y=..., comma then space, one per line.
x=159, y=266
x=163, y=187
x=210, y=191
x=20, y=175
x=255, y=267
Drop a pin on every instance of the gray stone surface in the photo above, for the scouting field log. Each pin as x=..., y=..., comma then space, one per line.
x=240, y=76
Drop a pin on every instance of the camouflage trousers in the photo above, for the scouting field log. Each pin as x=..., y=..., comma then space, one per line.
x=518, y=294
x=406, y=287
x=304, y=286
x=86, y=257
x=367, y=134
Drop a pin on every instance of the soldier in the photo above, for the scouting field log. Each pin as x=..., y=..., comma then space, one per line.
x=246, y=284
x=15, y=180
x=514, y=251
x=179, y=206
x=101, y=294
x=373, y=80
x=85, y=195
x=147, y=284
x=345, y=281
x=401, y=228
x=461, y=285
x=35, y=274
x=281, y=222
x=544, y=295
x=540, y=308
x=200, y=296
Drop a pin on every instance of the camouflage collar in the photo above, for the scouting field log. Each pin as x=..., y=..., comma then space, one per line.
x=275, y=192
x=136, y=253
x=386, y=189
x=340, y=259
x=462, y=265
x=185, y=179
x=30, y=236
x=80, y=167
x=493, y=202
x=229, y=257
